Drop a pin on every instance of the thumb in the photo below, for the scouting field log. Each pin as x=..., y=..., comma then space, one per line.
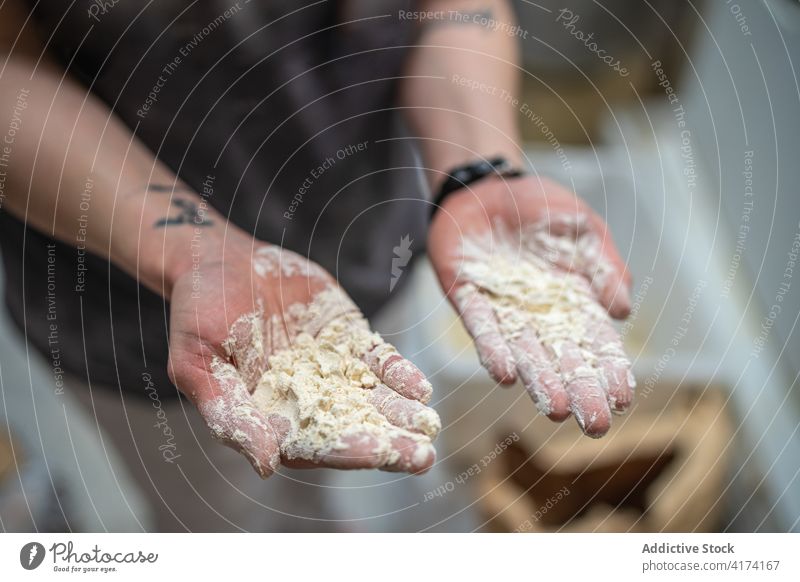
x=607, y=272
x=224, y=402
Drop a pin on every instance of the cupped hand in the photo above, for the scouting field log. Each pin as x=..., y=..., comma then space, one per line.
x=229, y=317
x=535, y=277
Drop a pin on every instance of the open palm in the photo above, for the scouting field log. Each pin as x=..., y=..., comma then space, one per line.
x=535, y=277
x=229, y=318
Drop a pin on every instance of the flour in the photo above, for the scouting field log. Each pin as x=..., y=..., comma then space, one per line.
x=525, y=278
x=323, y=385
x=271, y=260
x=526, y=291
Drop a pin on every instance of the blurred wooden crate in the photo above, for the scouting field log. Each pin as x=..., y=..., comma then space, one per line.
x=661, y=468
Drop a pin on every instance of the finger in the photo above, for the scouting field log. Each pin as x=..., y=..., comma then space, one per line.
x=580, y=241
x=398, y=373
x=611, y=290
x=414, y=456
x=479, y=318
x=404, y=412
x=606, y=270
x=232, y=418
x=369, y=451
x=614, y=367
x=246, y=346
x=588, y=401
x=537, y=373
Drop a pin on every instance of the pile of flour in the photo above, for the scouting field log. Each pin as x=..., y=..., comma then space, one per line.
x=321, y=384
x=528, y=294
x=523, y=275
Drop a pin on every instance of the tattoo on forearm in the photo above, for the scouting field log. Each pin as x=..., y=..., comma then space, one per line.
x=189, y=211
x=167, y=187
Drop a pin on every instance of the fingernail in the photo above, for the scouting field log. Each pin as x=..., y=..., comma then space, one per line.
x=631, y=380
x=621, y=304
x=264, y=471
x=425, y=390
x=595, y=426
x=578, y=414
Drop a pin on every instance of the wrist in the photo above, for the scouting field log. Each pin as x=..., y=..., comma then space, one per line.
x=479, y=170
x=168, y=240
x=471, y=141
x=183, y=250
x=193, y=249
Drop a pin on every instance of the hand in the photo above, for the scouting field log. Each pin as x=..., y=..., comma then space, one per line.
x=242, y=306
x=534, y=275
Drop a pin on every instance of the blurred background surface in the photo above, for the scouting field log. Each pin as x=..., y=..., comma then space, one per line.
x=710, y=105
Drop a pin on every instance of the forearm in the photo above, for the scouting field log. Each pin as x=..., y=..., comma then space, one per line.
x=77, y=172
x=462, y=82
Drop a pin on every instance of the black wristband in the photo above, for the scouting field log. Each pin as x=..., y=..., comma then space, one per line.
x=466, y=174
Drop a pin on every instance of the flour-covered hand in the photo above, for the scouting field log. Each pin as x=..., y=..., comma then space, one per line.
x=535, y=277
x=284, y=368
